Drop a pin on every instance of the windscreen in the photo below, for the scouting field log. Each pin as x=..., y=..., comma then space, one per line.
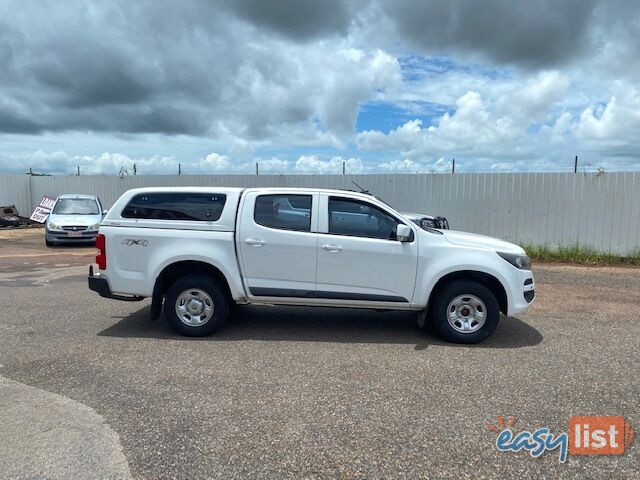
x=76, y=206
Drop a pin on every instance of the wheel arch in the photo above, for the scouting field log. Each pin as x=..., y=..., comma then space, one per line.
x=490, y=281
x=182, y=268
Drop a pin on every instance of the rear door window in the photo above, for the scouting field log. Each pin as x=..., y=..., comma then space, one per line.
x=285, y=212
x=203, y=207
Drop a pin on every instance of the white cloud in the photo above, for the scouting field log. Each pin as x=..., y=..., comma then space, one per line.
x=312, y=164
x=107, y=163
x=217, y=163
x=403, y=166
x=355, y=77
x=274, y=165
x=531, y=102
x=617, y=122
x=481, y=127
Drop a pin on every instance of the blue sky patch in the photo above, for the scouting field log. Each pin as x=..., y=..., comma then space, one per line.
x=417, y=68
x=385, y=116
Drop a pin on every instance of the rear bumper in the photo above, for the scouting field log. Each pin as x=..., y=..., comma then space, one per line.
x=100, y=285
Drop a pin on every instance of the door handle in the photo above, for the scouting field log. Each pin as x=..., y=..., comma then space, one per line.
x=255, y=242
x=332, y=248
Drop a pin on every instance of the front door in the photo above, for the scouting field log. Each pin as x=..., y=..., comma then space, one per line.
x=359, y=257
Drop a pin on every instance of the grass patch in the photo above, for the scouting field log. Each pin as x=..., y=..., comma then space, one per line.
x=578, y=254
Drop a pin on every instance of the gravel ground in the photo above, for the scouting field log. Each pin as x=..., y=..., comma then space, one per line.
x=319, y=393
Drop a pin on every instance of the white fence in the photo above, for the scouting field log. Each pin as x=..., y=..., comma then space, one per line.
x=16, y=190
x=599, y=211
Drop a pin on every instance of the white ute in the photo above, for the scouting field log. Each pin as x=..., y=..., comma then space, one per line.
x=199, y=250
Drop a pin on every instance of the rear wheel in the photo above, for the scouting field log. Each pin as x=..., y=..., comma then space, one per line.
x=196, y=306
x=465, y=312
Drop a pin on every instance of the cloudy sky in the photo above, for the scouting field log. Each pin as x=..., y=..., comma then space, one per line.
x=302, y=86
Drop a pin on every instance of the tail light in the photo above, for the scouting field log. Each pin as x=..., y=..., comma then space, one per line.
x=101, y=258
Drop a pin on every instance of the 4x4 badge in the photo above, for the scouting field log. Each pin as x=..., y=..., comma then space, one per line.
x=130, y=242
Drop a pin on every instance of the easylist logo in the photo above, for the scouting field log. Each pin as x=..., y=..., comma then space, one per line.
x=587, y=435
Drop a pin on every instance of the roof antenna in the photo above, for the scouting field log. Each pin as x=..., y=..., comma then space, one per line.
x=362, y=190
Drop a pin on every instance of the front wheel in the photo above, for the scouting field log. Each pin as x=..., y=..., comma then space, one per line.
x=196, y=306
x=465, y=312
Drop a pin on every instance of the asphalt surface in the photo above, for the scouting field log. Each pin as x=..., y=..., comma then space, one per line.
x=299, y=392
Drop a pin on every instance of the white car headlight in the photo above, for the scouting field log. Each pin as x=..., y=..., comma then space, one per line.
x=95, y=227
x=53, y=226
x=523, y=262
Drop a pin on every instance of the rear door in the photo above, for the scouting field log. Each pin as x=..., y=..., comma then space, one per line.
x=277, y=243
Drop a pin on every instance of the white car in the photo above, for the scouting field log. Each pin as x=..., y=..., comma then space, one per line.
x=198, y=250
x=74, y=219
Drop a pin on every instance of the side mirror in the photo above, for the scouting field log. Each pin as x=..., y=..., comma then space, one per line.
x=104, y=212
x=403, y=233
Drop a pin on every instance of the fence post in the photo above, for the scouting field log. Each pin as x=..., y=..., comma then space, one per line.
x=31, y=202
x=575, y=165
x=257, y=169
x=453, y=166
x=179, y=169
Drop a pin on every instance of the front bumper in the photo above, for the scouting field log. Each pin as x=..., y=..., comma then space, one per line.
x=523, y=294
x=100, y=285
x=57, y=236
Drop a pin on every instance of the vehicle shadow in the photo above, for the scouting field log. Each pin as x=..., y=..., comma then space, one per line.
x=300, y=324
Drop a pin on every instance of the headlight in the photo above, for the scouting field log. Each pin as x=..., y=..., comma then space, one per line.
x=95, y=227
x=523, y=262
x=53, y=226
x=423, y=223
x=426, y=223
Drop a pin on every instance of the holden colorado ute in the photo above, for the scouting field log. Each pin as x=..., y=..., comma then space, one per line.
x=200, y=250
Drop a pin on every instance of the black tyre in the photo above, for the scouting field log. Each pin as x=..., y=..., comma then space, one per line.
x=196, y=306
x=465, y=312
x=48, y=243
